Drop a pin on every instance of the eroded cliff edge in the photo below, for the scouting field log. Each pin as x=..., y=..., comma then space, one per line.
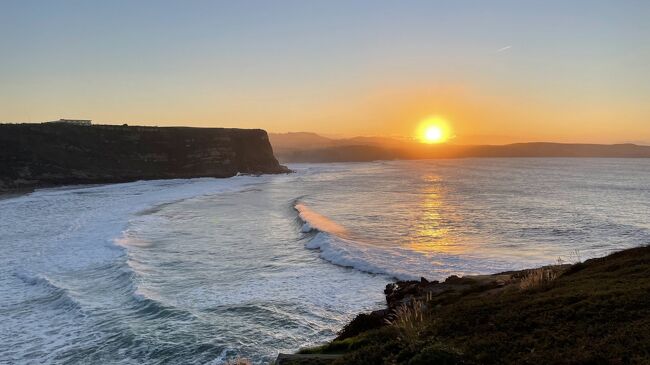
x=38, y=155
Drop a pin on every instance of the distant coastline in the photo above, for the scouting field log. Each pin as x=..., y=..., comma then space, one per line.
x=309, y=147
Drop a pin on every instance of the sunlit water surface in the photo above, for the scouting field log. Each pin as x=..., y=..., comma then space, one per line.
x=203, y=270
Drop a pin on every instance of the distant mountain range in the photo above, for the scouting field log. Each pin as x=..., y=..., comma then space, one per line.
x=311, y=147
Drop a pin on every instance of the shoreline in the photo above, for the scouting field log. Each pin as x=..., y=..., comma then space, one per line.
x=597, y=311
x=10, y=194
x=15, y=192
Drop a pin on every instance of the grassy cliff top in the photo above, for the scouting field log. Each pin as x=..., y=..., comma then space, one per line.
x=596, y=312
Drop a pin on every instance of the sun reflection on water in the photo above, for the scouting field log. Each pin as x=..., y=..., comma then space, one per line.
x=432, y=233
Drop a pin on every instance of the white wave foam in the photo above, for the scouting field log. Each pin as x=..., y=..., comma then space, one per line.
x=337, y=247
x=50, y=233
x=357, y=255
x=314, y=221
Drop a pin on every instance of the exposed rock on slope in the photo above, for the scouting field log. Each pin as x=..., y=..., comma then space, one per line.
x=35, y=155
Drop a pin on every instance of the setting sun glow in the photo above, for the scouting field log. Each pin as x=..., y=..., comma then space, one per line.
x=433, y=130
x=433, y=134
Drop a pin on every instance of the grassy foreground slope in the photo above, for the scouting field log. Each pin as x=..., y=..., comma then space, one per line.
x=596, y=312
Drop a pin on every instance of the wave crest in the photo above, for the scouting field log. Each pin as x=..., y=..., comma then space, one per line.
x=313, y=221
x=51, y=294
x=337, y=247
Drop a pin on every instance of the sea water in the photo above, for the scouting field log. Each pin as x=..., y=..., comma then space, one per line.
x=200, y=271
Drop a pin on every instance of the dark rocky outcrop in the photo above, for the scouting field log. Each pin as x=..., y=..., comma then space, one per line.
x=37, y=155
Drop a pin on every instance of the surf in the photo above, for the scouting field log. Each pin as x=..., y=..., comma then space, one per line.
x=337, y=246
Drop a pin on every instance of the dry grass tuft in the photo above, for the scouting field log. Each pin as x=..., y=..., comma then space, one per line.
x=409, y=320
x=538, y=277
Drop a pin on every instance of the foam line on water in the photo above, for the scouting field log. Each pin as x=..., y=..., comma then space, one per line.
x=337, y=247
x=317, y=222
x=74, y=244
x=357, y=255
x=52, y=294
x=342, y=247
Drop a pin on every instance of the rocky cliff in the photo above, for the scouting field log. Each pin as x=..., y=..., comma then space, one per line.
x=36, y=155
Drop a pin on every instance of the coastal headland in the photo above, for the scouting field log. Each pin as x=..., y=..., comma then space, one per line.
x=592, y=312
x=51, y=154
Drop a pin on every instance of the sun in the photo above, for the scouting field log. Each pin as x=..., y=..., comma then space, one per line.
x=433, y=130
x=433, y=134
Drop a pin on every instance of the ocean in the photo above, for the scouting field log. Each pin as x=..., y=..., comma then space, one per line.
x=200, y=271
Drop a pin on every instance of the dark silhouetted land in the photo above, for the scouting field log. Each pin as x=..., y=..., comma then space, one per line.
x=596, y=312
x=37, y=155
x=310, y=147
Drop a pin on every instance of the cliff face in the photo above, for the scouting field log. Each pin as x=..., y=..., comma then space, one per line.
x=34, y=155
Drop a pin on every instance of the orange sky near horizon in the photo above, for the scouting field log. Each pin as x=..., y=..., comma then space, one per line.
x=475, y=117
x=503, y=72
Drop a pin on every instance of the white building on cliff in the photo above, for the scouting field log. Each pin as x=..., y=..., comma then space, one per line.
x=86, y=122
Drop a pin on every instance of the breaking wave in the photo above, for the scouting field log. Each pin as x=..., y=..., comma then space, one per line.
x=338, y=247
x=342, y=247
x=51, y=294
